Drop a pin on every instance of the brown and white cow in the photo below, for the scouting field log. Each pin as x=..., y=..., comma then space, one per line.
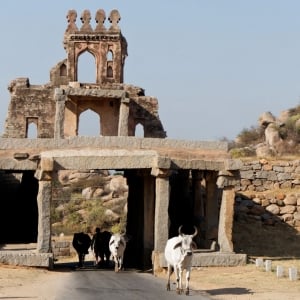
x=117, y=246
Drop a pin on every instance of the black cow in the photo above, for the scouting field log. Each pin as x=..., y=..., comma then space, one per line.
x=81, y=243
x=100, y=246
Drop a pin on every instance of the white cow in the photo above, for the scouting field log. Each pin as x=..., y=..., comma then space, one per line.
x=179, y=254
x=117, y=246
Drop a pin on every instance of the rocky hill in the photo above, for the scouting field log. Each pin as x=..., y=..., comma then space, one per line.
x=273, y=136
x=85, y=200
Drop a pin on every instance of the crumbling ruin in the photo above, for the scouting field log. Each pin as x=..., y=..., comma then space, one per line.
x=171, y=182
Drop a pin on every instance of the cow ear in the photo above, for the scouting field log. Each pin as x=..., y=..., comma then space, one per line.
x=177, y=245
x=127, y=237
x=194, y=246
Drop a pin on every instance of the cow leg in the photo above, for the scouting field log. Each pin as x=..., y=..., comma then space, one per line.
x=96, y=258
x=169, y=275
x=96, y=255
x=80, y=259
x=116, y=264
x=121, y=263
x=107, y=255
x=187, y=282
x=180, y=273
x=101, y=261
x=178, y=279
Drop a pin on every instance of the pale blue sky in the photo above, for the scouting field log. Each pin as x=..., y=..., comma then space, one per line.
x=215, y=66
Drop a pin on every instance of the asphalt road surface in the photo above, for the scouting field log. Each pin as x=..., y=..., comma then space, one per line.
x=91, y=284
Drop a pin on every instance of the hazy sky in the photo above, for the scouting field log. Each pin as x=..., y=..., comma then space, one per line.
x=214, y=66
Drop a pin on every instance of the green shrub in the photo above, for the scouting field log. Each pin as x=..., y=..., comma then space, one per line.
x=74, y=218
x=56, y=215
x=96, y=216
x=247, y=137
x=242, y=152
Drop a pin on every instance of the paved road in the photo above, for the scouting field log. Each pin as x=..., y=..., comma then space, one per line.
x=91, y=284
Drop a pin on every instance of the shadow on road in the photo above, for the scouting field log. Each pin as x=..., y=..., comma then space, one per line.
x=229, y=291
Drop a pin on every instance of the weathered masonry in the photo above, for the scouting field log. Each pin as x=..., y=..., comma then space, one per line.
x=171, y=182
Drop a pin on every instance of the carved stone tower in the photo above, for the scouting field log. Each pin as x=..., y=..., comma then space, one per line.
x=107, y=46
x=54, y=110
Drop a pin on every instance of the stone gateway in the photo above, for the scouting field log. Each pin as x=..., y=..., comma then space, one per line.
x=170, y=182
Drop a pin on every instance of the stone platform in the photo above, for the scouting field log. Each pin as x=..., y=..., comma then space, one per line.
x=212, y=259
x=26, y=258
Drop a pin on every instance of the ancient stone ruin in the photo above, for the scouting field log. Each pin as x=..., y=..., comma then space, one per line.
x=170, y=182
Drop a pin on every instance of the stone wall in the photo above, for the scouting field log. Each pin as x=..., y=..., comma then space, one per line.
x=61, y=248
x=263, y=175
x=270, y=191
x=29, y=104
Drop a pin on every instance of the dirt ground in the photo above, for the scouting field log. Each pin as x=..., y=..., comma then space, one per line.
x=246, y=282
x=222, y=283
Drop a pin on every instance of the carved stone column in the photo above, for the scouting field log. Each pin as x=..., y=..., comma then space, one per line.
x=212, y=207
x=199, y=205
x=44, y=224
x=227, y=180
x=123, y=117
x=226, y=220
x=149, y=212
x=60, y=99
x=44, y=175
x=161, y=219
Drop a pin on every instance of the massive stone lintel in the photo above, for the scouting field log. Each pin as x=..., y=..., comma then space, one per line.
x=96, y=93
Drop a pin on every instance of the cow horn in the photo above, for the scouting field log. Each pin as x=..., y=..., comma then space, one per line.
x=179, y=230
x=194, y=234
x=196, y=231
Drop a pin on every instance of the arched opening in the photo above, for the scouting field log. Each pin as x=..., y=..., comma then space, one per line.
x=139, y=130
x=110, y=73
x=87, y=67
x=31, y=128
x=109, y=56
x=109, y=66
x=89, y=123
x=63, y=70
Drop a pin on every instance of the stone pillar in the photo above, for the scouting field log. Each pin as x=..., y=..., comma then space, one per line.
x=226, y=220
x=72, y=62
x=149, y=212
x=199, y=205
x=44, y=222
x=44, y=175
x=123, y=117
x=60, y=99
x=161, y=218
x=212, y=207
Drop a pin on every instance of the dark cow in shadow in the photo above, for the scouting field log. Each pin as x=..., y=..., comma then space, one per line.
x=100, y=247
x=81, y=243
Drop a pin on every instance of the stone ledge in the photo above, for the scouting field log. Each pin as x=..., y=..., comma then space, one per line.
x=212, y=259
x=27, y=258
x=110, y=142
